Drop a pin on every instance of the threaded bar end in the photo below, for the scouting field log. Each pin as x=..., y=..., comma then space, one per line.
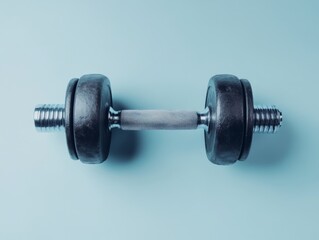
x=49, y=117
x=267, y=119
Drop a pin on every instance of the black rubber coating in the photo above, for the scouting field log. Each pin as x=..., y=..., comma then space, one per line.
x=69, y=101
x=225, y=137
x=92, y=101
x=249, y=118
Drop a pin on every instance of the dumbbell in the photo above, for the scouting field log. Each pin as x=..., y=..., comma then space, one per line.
x=229, y=119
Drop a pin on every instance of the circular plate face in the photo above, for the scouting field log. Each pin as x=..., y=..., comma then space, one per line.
x=224, y=138
x=92, y=101
x=68, y=118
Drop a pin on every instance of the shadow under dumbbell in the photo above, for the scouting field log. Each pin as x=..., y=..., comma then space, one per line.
x=268, y=150
x=124, y=144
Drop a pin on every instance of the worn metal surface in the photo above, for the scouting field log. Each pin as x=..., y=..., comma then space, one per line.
x=224, y=138
x=92, y=101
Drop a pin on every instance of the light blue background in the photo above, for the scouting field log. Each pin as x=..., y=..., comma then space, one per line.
x=159, y=54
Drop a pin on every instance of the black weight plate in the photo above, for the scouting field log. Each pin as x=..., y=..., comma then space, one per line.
x=92, y=102
x=224, y=138
x=68, y=118
x=249, y=118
